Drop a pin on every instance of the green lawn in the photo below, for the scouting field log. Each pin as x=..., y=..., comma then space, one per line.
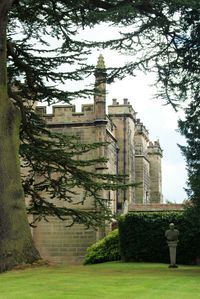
x=104, y=281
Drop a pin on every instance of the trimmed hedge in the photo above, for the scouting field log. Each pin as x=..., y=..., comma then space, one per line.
x=106, y=249
x=142, y=236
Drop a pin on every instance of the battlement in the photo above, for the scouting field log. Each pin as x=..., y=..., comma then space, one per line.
x=154, y=148
x=67, y=113
x=141, y=130
x=117, y=109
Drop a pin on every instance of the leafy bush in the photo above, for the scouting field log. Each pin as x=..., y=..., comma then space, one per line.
x=142, y=236
x=106, y=249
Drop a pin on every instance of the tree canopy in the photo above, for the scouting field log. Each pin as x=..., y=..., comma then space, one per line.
x=163, y=38
x=40, y=72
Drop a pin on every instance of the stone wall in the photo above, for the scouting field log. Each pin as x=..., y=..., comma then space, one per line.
x=60, y=244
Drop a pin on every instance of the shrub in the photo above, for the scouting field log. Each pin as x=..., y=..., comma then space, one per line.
x=142, y=236
x=106, y=249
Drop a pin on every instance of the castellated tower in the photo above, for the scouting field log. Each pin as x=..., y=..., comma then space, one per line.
x=123, y=117
x=129, y=153
x=155, y=156
x=142, y=165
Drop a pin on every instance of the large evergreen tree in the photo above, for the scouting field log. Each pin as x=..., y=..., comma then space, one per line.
x=190, y=128
x=30, y=70
x=160, y=36
x=16, y=245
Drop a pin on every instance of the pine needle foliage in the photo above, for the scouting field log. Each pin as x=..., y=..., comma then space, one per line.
x=40, y=71
x=190, y=128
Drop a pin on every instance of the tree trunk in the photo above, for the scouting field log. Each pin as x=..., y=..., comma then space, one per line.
x=16, y=244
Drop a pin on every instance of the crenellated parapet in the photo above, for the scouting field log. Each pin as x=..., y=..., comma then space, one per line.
x=155, y=149
x=141, y=130
x=67, y=113
x=122, y=109
x=141, y=139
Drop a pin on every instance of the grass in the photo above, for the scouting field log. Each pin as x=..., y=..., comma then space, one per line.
x=103, y=281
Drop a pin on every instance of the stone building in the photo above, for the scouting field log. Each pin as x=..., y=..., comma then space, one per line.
x=130, y=153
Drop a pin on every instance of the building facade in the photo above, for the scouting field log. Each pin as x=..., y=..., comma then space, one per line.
x=129, y=153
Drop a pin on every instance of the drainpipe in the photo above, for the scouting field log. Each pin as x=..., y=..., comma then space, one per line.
x=124, y=153
x=117, y=173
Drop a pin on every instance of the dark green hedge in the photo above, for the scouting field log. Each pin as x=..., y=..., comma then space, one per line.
x=142, y=236
x=106, y=249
